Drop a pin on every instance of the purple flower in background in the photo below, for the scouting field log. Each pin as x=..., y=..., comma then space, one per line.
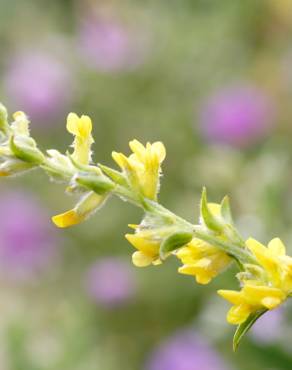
x=185, y=351
x=110, y=282
x=268, y=327
x=38, y=84
x=108, y=45
x=238, y=115
x=27, y=240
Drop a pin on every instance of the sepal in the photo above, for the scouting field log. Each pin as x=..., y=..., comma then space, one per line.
x=208, y=217
x=226, y=210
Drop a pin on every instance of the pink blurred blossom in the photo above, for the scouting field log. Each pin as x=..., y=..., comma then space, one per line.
x=27, y=240
x=185, y=351
x=237, y=115
x=40, y=85
x=110, y=282
x=107, y=45
x=268, y=327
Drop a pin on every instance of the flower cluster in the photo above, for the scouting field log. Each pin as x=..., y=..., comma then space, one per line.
x=202, y=260
x=264, y=286
x=142, y=168
x=205, y=249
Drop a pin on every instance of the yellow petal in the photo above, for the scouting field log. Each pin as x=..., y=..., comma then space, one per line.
x=140, y=259
x=80, y=127
x=85, y=126
x=148, y=247
x=277, y=247
x=4, y=173
x=67, y=219
x=72, y=123
x=265, y=258
x=271, y=302
x=120, y=159
x=202, y=275
x=203, y=278
x=185, y=255
x=159, y=149
x=231, y=296
x=19, y=115
x=133, y=226
x=215, y=208
x=255, y=246
x=238, y=314
x=255, y=293
x=138, y=149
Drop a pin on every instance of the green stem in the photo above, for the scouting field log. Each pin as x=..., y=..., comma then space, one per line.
x=238, y=252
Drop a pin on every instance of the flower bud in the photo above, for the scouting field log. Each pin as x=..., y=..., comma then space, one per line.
x=14, y=166
x=28, y=153
x=99, y=184
x=88, y=204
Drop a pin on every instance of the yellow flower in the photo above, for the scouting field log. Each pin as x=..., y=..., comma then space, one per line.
x=142, y=168
x=202, y=260
x=251, y=299
x=85, y=208
x=67, y=219
x=148, y=249
x=274, y=261
x=81, y=128
x=266, y=291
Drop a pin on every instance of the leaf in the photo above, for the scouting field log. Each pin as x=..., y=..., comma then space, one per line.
x=174, y=242
x=209, y=219
x=243, y=328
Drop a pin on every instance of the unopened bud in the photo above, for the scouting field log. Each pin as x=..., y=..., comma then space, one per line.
x=99, y=184
x=27, y=153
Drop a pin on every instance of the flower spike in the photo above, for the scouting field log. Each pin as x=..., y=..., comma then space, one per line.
x=205, y=249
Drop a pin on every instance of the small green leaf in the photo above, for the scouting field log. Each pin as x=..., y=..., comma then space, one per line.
x=226, y=210
x=243, y=328
x=174, y=242
x=209, y=219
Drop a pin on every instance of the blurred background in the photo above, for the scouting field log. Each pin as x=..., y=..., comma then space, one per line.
x=213, y=81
